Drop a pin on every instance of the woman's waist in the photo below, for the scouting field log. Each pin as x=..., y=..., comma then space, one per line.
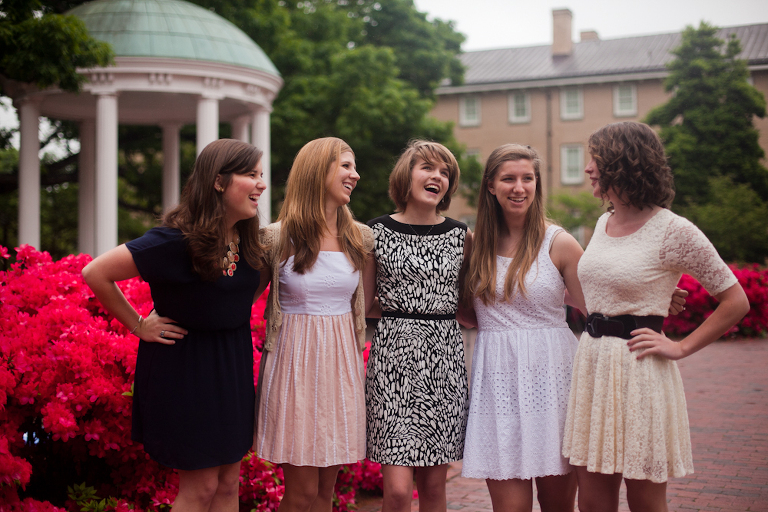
x=314, y=309
x=518, y=327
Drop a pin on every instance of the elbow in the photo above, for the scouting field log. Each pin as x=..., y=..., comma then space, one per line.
x=87, y=273
x=744, y=306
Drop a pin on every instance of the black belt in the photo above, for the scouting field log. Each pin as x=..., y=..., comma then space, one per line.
x=621, y=326
x=416, y=316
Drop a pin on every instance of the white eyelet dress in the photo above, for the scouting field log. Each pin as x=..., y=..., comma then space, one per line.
x=521, y=375
x=627, y=415
x=312, y=407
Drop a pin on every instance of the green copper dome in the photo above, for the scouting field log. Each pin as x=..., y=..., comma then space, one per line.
x=173, y=29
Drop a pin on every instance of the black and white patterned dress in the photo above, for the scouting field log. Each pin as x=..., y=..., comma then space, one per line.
x=416, y=383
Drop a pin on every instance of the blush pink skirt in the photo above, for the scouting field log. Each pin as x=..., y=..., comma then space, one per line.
x=311, y=408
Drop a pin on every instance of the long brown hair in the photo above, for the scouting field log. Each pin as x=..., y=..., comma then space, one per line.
x=303, y=212
x=200, y=212
x=481, y=278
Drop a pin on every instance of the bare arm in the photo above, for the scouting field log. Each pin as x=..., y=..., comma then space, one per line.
x=732, y=308
x=565, y=253
x=117, y=265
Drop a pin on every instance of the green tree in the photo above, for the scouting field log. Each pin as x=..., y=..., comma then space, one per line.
x=734, y=218
x=357, y=69
x=572, y=211
x=707, y=125
x=42, y=47
x=361, y=70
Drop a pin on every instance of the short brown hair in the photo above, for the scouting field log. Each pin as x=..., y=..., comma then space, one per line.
x=631, y=160
x=400, y=177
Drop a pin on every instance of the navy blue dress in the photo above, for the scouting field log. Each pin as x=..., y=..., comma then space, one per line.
x=193, y=403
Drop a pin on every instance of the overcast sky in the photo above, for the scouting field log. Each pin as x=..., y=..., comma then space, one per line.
x=507, y=23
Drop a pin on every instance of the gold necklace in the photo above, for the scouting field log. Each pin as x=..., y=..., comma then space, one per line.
x=229, y=262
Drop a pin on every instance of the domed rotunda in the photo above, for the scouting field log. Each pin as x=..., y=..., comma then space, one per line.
x=175, y=63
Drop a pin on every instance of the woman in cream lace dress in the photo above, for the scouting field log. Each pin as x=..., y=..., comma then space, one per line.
x=626, y=411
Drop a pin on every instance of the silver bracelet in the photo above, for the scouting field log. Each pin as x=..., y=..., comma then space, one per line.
x=141, y=319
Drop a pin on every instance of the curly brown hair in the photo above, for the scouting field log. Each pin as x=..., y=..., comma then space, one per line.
x=631, y=160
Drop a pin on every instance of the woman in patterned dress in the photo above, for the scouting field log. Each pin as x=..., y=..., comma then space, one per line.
x=626, y=415
x=193, y=398
x=310, y=401
x=416, y=384
x=521, y=367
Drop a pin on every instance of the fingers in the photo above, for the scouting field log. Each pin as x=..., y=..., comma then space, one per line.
x=649, y=342
x=161, y=329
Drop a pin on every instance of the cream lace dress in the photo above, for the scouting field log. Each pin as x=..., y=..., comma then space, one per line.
x=627, y=415
x=521, y=376
x=312, y=406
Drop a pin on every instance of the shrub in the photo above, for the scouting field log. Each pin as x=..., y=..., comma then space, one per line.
x=66, y=374
x=700, y=304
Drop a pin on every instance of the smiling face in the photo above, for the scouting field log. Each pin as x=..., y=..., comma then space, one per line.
x=241, y=194
x=429, y=182
x=341, y=180
x=514, y=186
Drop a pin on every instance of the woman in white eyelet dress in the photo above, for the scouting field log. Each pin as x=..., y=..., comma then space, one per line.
x=311, y=398
x=626, y=411
x=521, y=366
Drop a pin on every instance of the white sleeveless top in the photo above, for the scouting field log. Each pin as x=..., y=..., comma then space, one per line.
x=543, y=305
x=324, y=290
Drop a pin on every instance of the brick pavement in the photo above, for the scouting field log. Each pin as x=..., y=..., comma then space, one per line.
x=726, y=387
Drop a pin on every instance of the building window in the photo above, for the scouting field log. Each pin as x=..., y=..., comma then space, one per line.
x=519, y=106
x=571, y=103
x=624, y=100
x=572, y=164
x=469, y=111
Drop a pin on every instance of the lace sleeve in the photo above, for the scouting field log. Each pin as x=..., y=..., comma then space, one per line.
x=686, y=249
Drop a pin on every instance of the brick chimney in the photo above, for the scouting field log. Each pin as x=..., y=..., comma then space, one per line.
x=562, y=44
x=589, y=35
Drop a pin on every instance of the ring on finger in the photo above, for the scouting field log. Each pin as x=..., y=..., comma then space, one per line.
x=162, y=334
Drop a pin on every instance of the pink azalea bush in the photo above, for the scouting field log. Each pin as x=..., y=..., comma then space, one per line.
x=66, y=375
x=700, y=304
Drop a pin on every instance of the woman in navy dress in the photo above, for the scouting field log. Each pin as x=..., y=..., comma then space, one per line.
x=194, y=396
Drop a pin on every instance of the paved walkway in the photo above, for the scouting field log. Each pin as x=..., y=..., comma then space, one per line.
x=726, y=387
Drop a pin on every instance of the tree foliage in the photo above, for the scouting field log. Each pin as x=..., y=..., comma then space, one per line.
x=734, y=218
x=361, y=70
x=42, y=47
x=707, y=125
x=712, y=144
x=573, y=211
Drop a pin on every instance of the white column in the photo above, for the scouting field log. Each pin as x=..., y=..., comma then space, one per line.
x=207, y=121
x=261, y=139
x=171, y=172
x=86, y=199
x=29, y=173
x=106, y=172
x=240, y=128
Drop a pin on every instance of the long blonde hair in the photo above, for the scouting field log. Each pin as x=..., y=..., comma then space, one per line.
x=303, y=212
x=481, y=278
